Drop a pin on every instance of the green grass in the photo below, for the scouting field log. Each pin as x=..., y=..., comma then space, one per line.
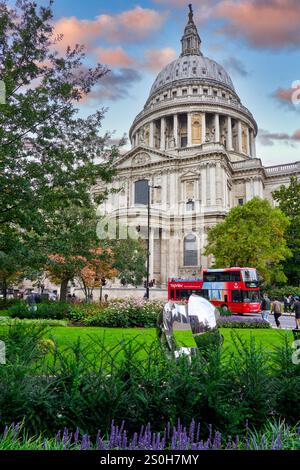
x=269, y=339
x=112, y=337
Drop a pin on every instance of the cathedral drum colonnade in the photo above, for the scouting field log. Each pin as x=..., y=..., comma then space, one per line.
x=196, y=141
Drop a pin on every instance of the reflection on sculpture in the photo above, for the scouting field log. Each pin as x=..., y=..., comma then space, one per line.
x=183, y=326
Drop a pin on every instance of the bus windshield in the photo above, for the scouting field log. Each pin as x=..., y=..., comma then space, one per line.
x=249, y=275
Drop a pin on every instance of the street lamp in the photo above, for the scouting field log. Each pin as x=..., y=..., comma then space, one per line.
x=148, y=240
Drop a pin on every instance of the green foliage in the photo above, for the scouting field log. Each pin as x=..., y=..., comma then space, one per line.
x=251, y=235
x=89, y=384
x=280, y=292
x=47, y=310
x=130, y=260
x=126, y=314
x=288, y=198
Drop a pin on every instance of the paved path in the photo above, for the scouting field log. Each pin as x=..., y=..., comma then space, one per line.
x=287, y=321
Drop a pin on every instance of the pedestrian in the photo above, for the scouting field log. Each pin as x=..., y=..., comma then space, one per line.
x=297, y=312
x=106, y=298
x=291, y=305
x=277, y=310
x=265, y=307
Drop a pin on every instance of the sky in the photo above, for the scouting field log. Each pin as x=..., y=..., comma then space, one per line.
x=257, y=41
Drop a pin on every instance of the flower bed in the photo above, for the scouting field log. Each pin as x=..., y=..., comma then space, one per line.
x=240, y=322
x=275, y=437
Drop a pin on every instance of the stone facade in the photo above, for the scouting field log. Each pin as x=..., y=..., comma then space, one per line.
x=195, y=142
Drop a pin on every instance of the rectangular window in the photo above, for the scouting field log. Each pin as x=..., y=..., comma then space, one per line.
x=141, y=192
x=184, y=92
x=174, y=94
x=236, y=296
x=195, y=91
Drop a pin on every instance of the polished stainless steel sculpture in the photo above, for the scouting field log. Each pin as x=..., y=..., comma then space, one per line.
x=182, y=325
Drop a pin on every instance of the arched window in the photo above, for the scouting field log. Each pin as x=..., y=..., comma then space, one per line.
x=141, y=192
x=190, y=251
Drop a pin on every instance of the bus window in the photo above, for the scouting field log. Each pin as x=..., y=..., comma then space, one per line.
x=236, y=296
x=250, y=296
x=172, y=294
x=226, y=298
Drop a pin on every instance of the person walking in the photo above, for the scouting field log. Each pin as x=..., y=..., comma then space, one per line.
x=265, y=307
x=277, y=310
x=297, y=312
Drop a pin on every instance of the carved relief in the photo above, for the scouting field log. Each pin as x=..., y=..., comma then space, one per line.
x=141, y=159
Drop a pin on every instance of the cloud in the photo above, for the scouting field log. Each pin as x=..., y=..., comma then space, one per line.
x=157, y=59
x=114, y=86
x=235, y=66
x=269, y=138
x=289, y=97
x=130, y=26
x=271, y=24
x=262, y=23
x=115, y=57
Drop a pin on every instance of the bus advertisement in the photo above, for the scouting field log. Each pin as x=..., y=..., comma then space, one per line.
x=235, y=289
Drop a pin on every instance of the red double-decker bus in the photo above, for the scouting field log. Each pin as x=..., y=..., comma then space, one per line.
x=236, y=289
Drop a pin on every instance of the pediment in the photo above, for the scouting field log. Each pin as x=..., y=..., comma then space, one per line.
x=142, y=156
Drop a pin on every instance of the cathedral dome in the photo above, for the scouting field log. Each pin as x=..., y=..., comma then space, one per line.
x=192, y=67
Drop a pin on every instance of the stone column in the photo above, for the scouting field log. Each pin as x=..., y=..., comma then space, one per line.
x=217, y=128
x=212, y=184
x=175, y=129
x=253, y=145
x=189, y=129
x=151, y=136
x=248, y=141
x=219, y=184
x=229, y=134
x=240, y=146
x=203, y=128
x=163, y=133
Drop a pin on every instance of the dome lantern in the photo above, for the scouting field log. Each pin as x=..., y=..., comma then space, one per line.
x=191, y=40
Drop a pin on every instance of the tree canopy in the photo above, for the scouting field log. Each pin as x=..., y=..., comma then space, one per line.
x=288, y=198
x=251, y=235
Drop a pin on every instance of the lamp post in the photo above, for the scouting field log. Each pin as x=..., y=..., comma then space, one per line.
x=148, y=239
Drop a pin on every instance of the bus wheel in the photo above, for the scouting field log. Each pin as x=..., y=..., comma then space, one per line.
x=225, y=308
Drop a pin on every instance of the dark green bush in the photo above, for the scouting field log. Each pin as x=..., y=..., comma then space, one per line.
x=5, y=304
x=46, y=310
x=87, y=384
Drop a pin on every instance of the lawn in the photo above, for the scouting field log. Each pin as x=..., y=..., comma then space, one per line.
x=66, y=336
x=113, y=336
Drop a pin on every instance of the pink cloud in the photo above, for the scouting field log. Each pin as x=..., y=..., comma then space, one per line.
x=156, y=59
x=263, y=23
x=115, y=57
x=129, y=26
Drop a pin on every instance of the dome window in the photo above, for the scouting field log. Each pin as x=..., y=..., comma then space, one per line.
x=195, y=91
x=184, y=92
x=174, y=94
x=204, y=71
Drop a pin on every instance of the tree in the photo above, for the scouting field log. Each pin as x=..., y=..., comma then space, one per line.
x=251, y=235
x=130, y=260
x=49, y=156
x=288, y=198
x=69, y=243
x=97, y=271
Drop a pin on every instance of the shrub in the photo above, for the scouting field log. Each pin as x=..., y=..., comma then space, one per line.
x=239, y=322
x=224, y=312
x=126, y=314
x=280, y=292
x=5, y=304
x=47, y=310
